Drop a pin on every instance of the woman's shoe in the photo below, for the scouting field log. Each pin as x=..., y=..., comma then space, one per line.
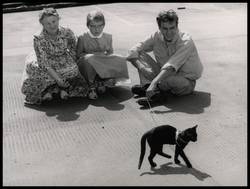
x=101, y=88
x=92, y=95
x=110, y=82
x=64, y=95
x=28, y=103
x=47, y=97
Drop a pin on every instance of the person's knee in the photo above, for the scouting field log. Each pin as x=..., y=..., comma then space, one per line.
x=81, y=67
x=83, y=64
x=80, y=62
x=182, y=91
x=185, y=88
x=168, y=83
x=177, y=85
x=132, y=60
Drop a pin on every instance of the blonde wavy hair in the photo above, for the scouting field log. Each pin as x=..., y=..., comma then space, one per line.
x=48, y=12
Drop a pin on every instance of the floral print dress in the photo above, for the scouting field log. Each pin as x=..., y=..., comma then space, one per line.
x=58, y=54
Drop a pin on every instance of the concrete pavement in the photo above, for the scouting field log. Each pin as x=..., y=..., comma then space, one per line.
x=97, y=143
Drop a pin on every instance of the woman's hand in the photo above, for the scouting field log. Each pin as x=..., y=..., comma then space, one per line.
x=62, y=83
x=99, y=53
x=86, y=56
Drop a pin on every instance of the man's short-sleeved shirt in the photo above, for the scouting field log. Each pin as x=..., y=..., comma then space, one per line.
x=181, y=53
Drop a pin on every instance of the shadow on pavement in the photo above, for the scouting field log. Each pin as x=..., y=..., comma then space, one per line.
x=63, y=110
x=165, y=169
x=112, y=98
x=121, y=93
x=192, y=104
x=69, y=110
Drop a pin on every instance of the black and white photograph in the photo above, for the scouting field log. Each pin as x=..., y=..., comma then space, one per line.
x=124, y=94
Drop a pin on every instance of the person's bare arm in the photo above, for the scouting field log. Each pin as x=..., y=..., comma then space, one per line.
x=161, y=76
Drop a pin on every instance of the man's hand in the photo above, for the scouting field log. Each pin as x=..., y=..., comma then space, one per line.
x=162, y=75
x=86, y=56
x=151, y=90
x=61, y=82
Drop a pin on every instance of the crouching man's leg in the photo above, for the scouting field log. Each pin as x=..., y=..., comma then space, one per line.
x=177, y=85
x=148, y=69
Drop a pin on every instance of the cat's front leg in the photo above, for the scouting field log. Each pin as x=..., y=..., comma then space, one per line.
x=183, y=155
x=177, y=161
x=189, y=165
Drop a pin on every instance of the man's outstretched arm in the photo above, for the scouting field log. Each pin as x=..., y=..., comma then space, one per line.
x=161, y=76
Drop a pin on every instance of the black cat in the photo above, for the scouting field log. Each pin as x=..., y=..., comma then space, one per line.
x=166, y=134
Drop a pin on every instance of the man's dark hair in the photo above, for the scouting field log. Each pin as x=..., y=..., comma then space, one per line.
x=167, y=16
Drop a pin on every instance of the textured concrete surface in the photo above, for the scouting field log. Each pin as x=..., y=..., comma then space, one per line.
x=96, y=143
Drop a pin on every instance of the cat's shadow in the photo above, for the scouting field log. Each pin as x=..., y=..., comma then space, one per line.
x=166, y=169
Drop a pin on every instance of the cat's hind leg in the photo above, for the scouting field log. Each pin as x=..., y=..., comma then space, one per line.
x=164, y=155
x=151, y=157
x=160, y=152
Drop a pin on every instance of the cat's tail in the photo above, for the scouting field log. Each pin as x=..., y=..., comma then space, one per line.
x=143, y=149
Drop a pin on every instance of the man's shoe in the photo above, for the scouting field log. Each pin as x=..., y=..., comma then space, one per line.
x=155, y=99
x=140, y=90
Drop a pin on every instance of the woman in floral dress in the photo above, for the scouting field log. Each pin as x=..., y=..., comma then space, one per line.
x=51, y=67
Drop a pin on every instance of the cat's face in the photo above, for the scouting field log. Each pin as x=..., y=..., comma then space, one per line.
x=192, y=134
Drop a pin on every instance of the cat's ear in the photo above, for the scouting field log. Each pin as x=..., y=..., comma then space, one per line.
x=195, y=126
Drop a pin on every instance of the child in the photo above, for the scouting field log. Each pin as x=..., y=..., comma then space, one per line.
x=96, y=60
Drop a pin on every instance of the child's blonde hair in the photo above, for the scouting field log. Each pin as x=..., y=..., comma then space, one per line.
x=95, y=16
